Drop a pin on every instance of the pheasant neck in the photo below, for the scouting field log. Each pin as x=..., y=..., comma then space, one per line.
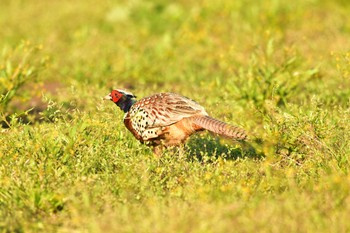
x=125, y=104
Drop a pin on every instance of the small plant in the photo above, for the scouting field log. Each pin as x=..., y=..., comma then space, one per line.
x=272, y=77
x=298, y=134
x=17, y=67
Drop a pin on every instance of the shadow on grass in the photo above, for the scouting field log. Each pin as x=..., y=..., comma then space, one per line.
x=28, y=111
x=198, y=147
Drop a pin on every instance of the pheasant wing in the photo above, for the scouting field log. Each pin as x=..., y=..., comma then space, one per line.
x=170, y=108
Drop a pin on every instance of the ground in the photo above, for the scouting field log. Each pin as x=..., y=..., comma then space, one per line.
x=279, y=69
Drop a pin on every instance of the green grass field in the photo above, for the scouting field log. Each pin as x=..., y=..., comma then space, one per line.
x=279, y=69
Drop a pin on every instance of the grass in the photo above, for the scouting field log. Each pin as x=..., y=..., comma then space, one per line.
x=280, y=70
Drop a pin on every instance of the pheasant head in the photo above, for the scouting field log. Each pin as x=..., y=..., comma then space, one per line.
x=122, y=98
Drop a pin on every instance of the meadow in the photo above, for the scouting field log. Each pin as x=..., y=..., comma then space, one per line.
x=279, y=69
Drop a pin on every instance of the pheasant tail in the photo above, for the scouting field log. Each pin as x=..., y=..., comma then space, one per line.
x=220, y=128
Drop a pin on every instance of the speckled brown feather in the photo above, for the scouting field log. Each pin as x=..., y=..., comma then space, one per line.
x=150, y=116
x=128, y=125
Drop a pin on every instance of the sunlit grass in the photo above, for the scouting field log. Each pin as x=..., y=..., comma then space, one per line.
x=280, y=70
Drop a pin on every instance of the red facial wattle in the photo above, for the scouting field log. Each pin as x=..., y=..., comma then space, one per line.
x=116, y=96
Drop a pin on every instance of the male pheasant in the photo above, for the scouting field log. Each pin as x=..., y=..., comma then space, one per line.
x=168, y=119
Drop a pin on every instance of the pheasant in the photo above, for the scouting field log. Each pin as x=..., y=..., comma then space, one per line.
x=168, y=119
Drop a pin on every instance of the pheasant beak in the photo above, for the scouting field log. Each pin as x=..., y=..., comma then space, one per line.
x=108, y=97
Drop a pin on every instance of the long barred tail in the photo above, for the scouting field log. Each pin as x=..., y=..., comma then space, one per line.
x=220, y=128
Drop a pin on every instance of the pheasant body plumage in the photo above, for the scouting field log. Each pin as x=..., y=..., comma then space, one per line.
x=168, y=119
